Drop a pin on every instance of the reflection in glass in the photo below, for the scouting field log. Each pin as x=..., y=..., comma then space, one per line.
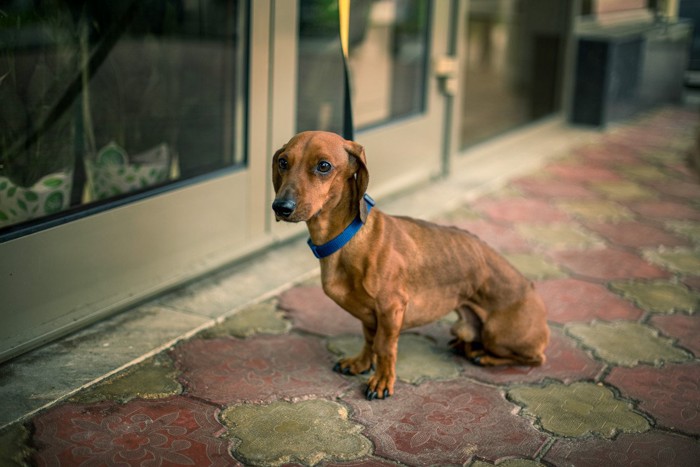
x=513, y=64
x=388, y=59
x=103, y=99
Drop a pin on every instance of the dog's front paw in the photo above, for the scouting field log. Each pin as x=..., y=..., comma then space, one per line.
x=379, y=387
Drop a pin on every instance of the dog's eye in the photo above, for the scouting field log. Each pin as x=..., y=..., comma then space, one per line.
x=283, y=164
x=324, y=167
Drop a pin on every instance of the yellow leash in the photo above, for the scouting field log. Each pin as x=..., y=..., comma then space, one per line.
x=344, y=13
x=344, y=17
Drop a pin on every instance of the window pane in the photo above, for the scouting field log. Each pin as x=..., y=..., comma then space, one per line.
x=513, y=65
x=388, y=42
x=388, y=56
x=320, y=67
x=107, y=99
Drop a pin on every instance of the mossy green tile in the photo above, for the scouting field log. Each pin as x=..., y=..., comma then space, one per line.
x=595, y=210
x=688, y=229
x=463, y=213
x=261, y=318
x=418, y=359
x=627, y=344
x=658, y=296
x=623, y=190
x=14, y=446
x=307, y=432
x=560, y=236
x=508, y=463
x=534, y=266
x=578, y=410
x=644, y=172
x=678, y=260
x=675, y=153
x=153, y=379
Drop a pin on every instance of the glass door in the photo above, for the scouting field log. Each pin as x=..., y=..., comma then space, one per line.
x=513, y=59
x=397, y=106
x=125, y=153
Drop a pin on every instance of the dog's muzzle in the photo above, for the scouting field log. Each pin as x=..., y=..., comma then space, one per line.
x=284, y=207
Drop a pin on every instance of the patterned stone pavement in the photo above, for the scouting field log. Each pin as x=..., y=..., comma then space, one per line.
x=610, y=233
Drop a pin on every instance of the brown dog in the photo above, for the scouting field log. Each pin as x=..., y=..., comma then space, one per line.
x=394, y=273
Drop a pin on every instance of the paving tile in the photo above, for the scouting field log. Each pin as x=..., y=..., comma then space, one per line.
x=461, y=214
x=260, y=369
x=565, y=362
x=677, y=188
x=607, y=264
x=678, y=260
x=670, y=394
x=560, y=236
x=557, y=189
x=155, y=378
x=635, y=234
x=665, y=156
x=508, y=463
x=607, y=152
x=684, y=328
x=534, y=267
x=168, y=431
x=14, y=446
x=369, y=462
x=688, y=229
x=520, y=210
x=312, y=311
x=683, y=171
x=308, y=432
x=581, y=173
x=446, y=422
x=692, y=281
x=578, y=410
x=627, y=344
x=503, y=238
x=658, y=296
x=261, y=318
x=596, y=210
x=418, y=359
x=623, y=190
x=643, y=173
x=653, y=448
x=665, y=210
x=570, y=300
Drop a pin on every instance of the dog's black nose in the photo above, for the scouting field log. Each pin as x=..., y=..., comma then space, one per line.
x=284, y=207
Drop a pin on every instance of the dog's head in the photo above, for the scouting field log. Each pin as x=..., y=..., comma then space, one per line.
x=314, y=171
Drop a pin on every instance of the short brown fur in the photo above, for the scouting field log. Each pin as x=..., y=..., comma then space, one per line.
x=398, y=272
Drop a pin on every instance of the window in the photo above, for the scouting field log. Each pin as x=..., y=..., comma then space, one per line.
x=388, y=53
x=106, y=100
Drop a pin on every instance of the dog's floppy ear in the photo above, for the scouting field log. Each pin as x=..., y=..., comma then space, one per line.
x=357, y=152
x=276, y=178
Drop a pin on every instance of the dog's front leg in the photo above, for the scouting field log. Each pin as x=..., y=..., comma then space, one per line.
x=386, y=347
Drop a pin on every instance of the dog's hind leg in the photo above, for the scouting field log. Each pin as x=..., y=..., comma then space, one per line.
x=467, y=332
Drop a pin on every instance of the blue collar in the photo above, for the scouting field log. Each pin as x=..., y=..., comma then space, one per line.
x=327, y=249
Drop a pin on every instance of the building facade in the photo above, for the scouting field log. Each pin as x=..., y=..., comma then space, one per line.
x=136, y=136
